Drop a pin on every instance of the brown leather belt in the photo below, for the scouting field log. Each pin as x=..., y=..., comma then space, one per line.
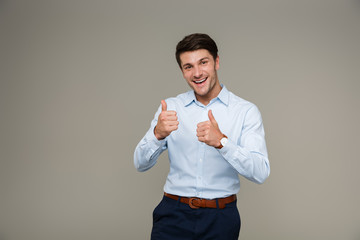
x=195, y=203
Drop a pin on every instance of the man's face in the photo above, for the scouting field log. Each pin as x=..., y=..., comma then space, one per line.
x=200, y=71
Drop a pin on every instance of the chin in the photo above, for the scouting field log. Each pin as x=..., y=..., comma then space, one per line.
x=201, y=93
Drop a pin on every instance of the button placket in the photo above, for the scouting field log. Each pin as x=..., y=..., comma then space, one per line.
x=200, y=160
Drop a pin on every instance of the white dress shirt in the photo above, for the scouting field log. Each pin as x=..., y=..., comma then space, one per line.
x=199, y=170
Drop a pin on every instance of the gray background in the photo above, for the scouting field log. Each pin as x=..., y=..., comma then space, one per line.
x=81, y=81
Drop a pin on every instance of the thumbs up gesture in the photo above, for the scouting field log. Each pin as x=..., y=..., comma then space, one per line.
x=209, y=132
x=167, y=122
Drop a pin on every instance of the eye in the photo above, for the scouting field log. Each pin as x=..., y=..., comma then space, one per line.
x=187, y=67
x=204, y=62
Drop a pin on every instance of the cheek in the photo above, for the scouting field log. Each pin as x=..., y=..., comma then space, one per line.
x=187, y=75
x=212, y=69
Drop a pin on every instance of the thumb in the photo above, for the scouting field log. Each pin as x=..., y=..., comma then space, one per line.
x=163, y=106
x=211, y=117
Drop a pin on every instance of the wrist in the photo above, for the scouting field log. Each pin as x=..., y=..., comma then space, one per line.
x=223, y=140
x=158, y=137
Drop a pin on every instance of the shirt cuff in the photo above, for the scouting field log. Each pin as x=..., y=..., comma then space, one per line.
x=231, y=151
x=153, y=142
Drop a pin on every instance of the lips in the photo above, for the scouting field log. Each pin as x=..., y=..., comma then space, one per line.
x=200, y=81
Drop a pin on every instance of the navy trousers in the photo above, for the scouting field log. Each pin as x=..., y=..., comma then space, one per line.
x=173, y=220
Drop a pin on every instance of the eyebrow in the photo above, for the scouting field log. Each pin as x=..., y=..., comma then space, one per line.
x=189, y=64
x=204, y=59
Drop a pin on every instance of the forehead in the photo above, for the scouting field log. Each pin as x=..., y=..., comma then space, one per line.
x=190, y=57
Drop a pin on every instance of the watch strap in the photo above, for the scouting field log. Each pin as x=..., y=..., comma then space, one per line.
x=221, y=146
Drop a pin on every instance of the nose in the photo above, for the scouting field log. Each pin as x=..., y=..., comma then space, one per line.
x=197, y=72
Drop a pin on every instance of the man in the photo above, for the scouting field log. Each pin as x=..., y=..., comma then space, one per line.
x=212, y=136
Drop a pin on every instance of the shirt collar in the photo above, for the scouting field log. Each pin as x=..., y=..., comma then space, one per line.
x=223, y=96
x=189, y=98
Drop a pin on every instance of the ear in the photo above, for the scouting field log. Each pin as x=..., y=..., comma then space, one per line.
x=217, y=64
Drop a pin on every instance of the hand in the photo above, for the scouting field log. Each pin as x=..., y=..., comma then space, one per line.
x=167, y=122
x=209, y=132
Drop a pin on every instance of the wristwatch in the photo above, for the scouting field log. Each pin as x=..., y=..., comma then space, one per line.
x=223, y=141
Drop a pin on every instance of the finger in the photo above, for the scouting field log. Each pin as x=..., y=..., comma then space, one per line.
x=170, y=113
x=202, y=132
x=172, y=123
x=172, y=128
x=211, y=117
x=163, y=106
x=201, y=139
x=201, y=128
x=203, y=124
x=171, y=118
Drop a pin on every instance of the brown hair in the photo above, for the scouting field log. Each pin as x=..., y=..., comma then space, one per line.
x=194, y=42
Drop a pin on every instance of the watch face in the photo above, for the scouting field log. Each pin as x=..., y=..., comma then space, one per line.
x=223, y=141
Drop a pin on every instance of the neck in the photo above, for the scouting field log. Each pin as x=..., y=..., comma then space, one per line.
x=211, y=95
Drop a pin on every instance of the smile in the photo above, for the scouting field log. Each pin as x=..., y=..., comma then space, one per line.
x=200, y=81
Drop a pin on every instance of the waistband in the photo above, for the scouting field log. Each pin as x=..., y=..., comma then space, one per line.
x=196, y=203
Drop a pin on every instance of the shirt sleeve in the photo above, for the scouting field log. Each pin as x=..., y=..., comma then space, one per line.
x=149, y=148
x=249, y=155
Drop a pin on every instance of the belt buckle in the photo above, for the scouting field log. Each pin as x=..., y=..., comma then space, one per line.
x=191, y=203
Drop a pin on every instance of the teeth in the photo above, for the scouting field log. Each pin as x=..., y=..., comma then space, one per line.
x=200, y=81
